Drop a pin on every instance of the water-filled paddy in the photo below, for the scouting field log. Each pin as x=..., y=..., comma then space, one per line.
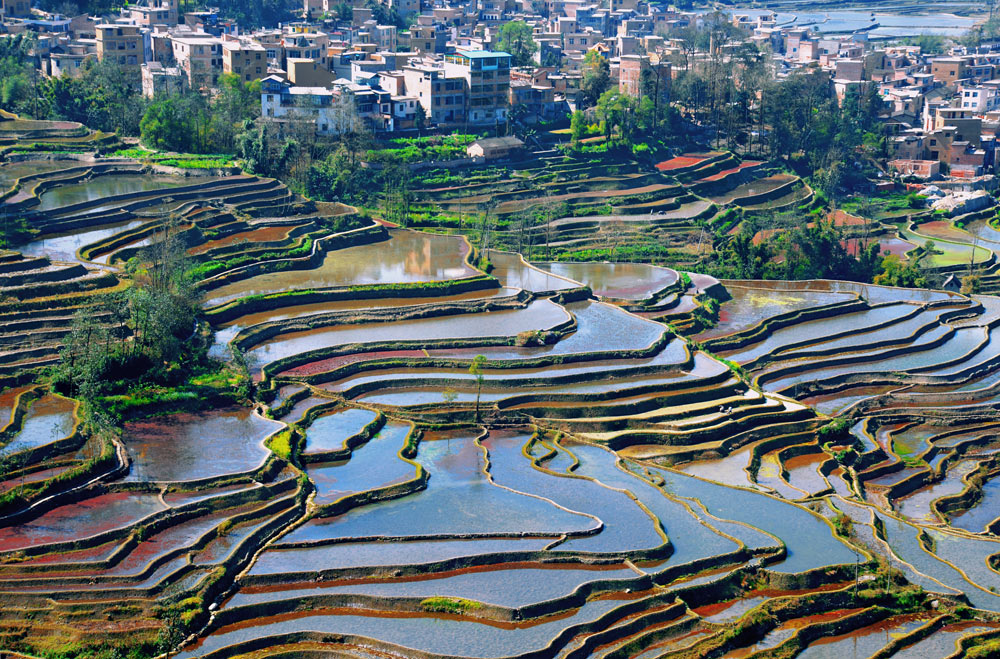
x=617, y=280
x=82, y=519
x=422, y=632
x=407, y=257
x=751, y=304
x=862, y=642
x=987, y=509
x=514, y=272
x=330, y=431
x=101, y=187
x=366, y=554
x=372, y=465
x=538, y=315
x=11, y=171
x=503, y=586
x=942, y=643
x=64, y=247
x=50, y=418
x=174, y=447
x=813, y=334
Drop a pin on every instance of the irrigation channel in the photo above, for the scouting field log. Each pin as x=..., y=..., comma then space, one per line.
x=619, y=479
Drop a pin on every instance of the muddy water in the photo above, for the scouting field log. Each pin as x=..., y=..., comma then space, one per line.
x=408, y=257
x=865, y=641
x=8, y=398
x=330, y=431
x=80, y=520
x=101, y=187
x=786, y=630
x=538, y=315
x=50, y=418
x=618, y=280
x=174, y=447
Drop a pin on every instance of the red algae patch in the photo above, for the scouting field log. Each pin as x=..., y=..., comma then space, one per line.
x=323, y=365
x=263, y=234
x=81, y=520
x=680, y=162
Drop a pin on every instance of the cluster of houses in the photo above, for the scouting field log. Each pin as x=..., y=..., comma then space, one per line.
x=940, y=112
x=447, y=68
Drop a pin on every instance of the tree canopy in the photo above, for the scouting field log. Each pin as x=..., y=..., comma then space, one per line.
x=517, y=40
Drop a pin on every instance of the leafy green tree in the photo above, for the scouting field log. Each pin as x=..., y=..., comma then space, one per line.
x=420, y=118
x=517, y=40
x=577, y=127
x=476, y=369
x=617, y=111
x=261, y=152
x=596, y=76
x=19, y=80
x=167, y=125
x=235, y=103
x=896, y=272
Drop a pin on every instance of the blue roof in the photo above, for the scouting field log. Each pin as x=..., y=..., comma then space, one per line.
x=477, y=54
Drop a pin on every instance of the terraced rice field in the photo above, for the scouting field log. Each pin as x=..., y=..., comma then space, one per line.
x=596, y=486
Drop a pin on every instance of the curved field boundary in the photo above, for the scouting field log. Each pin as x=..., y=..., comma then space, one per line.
x=363, y=235
x=763, y=329
x=257, y=334
x=872, y=378
x=820, y=351
x=129, y=200
x=779, y=353
x=252, y=304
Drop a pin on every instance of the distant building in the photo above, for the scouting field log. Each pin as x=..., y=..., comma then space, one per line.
x=200, y=58
x=495, y=148
x=487, y=80
x=120, y=43
x=158, y=79
x=633, y=69
x=246, y=59
x=16, y=8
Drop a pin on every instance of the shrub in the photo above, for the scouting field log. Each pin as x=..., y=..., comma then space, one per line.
x=456, y=605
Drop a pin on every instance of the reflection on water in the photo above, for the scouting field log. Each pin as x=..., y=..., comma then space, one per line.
x=409, y=256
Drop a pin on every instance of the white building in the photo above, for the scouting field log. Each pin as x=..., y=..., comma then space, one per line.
x=979, y=98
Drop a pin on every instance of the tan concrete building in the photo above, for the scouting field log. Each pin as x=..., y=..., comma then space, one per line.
x=487, y=78
x=16, y=8
x=441, y=94
x=247, y=59
x=200, y=58
x=120, y=43
x=632, y=68
x=948, y=70
x=307, y=73
x=155, y=12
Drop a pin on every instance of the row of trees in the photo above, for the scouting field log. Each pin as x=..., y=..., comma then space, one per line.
x=818, y=251
x=194, y=123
